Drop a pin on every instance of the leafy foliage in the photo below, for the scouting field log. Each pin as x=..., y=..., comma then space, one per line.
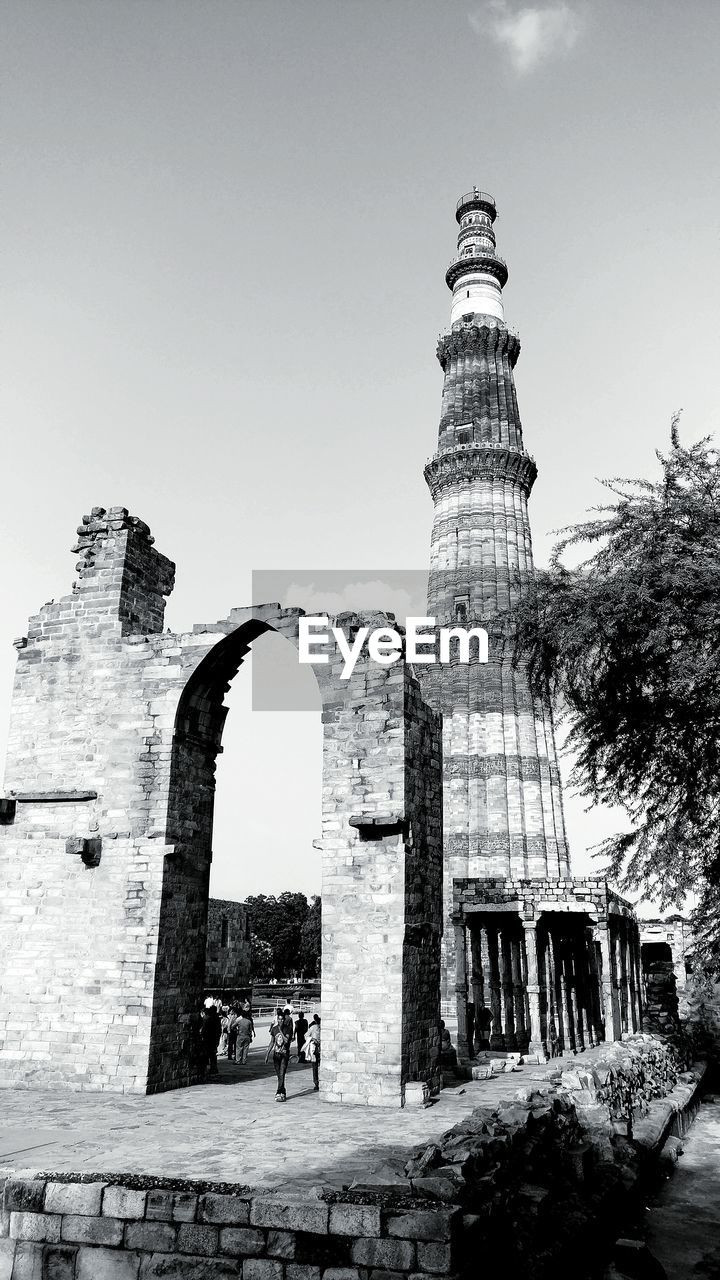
x=628, y=645
x=280, y=924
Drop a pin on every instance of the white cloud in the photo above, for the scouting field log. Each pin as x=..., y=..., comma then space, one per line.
x=358, y=597
x=530, y=34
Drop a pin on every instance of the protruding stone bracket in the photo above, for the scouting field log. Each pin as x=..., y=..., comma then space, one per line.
x=7, y=809
x=376, y=826
x=86, y=847
x=53, y=797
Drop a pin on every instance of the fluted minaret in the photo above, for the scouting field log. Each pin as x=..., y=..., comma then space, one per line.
x=503, y=814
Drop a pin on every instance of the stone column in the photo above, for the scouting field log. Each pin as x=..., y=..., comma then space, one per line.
x=518, y=992
x=533, y=987
x=477, y=980
x=632, y=988
x=601, y=934
x=461, y=989
x=497, y=1038
x=556, y=1022
x=508, y=994
x=623, y=978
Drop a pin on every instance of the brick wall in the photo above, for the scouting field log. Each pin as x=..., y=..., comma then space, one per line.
x=227, y=958
x=105, y=861
x=96, y=1231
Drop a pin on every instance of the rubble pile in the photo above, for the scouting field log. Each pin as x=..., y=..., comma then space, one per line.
x=536, y=1173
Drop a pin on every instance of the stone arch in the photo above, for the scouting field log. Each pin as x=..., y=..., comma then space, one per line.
x=199, y=720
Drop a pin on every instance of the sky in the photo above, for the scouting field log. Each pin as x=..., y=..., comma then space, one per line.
x=226, y=228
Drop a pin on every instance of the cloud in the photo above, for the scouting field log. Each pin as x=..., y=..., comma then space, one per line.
x=356, y=597
x=531, y=34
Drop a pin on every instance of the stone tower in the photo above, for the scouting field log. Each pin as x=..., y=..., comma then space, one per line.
x=503, y=814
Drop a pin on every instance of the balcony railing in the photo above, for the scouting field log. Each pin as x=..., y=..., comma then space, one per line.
x=473, y=196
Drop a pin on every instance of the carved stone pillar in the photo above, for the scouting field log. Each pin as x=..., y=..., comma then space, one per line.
x=497, y=1038
x=601, y=934
x=461, y=990
x=508, y=994
x=533, y=987
x=477, y=982
x=518, y=986
x=623, y=978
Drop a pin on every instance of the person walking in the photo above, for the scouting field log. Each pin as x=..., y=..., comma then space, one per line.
x=301, y=1028
x=312, y=1050
x=281, y=1034
x=232, y=1033
x=245, y=1033
x=210, y=1033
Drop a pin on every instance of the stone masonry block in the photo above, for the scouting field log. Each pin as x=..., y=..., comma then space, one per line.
x=392, y=1255
x=35, y=1226
x=196, y=1239
x=291, y=1217
x=7, y=1257
x=107, y=1264
x=184, y=1206
x=59, y=1262
x=223, y=1210
x=120, y=1202
x=434, y=1257
x=28, y=1261
x=163, y=1266
x=354, y=1220
x=294, y=1271
x=341, y=1273
x=242, y=1242
x=159, y=1206
x=422, y=1225
x=281, y=1244
x=79, y=1198
x=151, y=1237
x=24, y=1195
x=262, y=1269
x=79, y=1229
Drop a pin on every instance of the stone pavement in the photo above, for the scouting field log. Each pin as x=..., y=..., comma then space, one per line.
x=232, y=1130
x=684, y=1218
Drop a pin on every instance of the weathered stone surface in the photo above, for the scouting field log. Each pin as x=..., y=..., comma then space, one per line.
x=223, y=1210
x=80, y=1229
x=119, y=1202
x=107, y=1264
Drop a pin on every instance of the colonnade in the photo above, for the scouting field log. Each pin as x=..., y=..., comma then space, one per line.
x=557, y=983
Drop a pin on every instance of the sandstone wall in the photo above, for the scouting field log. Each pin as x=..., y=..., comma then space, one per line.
x=106, y=840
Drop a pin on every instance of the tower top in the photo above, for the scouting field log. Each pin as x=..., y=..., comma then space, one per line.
x=476, y=199
x=477, y=274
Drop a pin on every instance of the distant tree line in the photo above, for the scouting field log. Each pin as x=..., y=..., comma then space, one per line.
x=285, y=935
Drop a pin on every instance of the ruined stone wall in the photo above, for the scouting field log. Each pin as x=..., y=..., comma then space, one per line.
x=92, y=1230
x=381, y=888
x=227, y=961
x=106, y=839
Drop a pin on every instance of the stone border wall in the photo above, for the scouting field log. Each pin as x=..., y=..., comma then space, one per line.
x=97, y=1231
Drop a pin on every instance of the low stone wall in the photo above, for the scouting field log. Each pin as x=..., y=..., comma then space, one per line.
x=553, y=1167
x=102, y=1231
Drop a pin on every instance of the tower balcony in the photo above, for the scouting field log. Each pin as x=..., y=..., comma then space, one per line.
x=480, y=200
x=489, y=263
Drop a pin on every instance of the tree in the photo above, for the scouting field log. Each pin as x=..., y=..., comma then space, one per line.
x=279, y=922
x=261, y=958
x=311, y=940
x=628, y=645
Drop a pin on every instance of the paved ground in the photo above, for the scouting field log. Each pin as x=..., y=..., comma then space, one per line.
x=229, y=1131
x=684, y=1219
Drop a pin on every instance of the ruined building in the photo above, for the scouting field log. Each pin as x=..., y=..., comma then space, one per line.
x=541, y=948
x=107, y=814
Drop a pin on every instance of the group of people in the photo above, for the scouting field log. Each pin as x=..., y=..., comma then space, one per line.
x=230, y=1029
